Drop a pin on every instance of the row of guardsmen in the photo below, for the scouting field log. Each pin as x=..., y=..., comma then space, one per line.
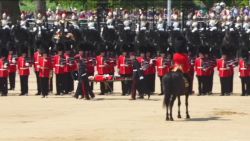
x=142, y=70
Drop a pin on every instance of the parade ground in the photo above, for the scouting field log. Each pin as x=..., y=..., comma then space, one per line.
x=116, y=118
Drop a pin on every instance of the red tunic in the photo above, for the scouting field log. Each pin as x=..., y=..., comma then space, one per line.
x=4, y=72
x=224, y=69
x=199, y=69
x=111, y=65
x=162, y=69
x=45, y=67
x=101, y=67
x=70, y=64
x=37, y=55
x=58, y=66
x=182, y=59
x=244, y=69
x=12, y=64
x=125, y=69
x=23, y=66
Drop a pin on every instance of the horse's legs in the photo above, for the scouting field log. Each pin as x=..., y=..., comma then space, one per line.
x=179, y=107
x=167, y=115
x=187, y=113
x=166, y=100
x=172, y=99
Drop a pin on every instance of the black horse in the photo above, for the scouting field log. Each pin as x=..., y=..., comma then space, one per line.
x=175, y=85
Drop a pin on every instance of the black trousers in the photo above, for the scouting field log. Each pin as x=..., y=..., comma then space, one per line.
x=12, y=80
x=226, y=85
x=4, y=86
x=91, y=83
x=126, y=85
x=245, y=85
x=210, y=83
x=105, y=87
x=146, y=84
x=137, y=85
x=111, y=85
x=38, y=83
x=51, y=84
x=152, y=83
x=44, y=85
x=203, y=84
x=59, y=83
x=160, y=77
x=68, y=82
x=24, y=84
x=84, y=89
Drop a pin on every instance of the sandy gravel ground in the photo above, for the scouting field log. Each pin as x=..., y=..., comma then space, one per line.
x=115, y=118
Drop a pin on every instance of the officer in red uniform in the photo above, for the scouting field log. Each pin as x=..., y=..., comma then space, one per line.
x=102, y=69
x=244, y=70
x=4, y=72
x=202, y=71
x=59, y=64
x=163, y=65
x=12, y=58
x=37, y=55
x=23, y=64
x=180, y=58
x=125, y=70
x=45, y=70
x=226, y=72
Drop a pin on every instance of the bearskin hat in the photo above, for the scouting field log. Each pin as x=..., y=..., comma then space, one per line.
x=4, y=52
x=180, y=44
x=23, y=49
x=11, y=46
x=59, y=46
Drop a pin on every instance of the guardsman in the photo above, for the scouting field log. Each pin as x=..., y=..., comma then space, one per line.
x=45, y=71
x=83, y=88
x=226, y=72
x=102, y=69
x=12, y=58
x=163, y=65
x=137, y=78
x=244, y=70
x=125, y=68
x=37, y=56
x=68, y=69
x=89, y=55
x=144, y=65
x=4, y=72
x=59, y=64
x=201, y=66
x=149, y=73
x=23, y=64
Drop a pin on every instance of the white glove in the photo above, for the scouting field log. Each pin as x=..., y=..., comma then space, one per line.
x=141, y=78
x=5, y=66
x=27, y=64
x=13, y=61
